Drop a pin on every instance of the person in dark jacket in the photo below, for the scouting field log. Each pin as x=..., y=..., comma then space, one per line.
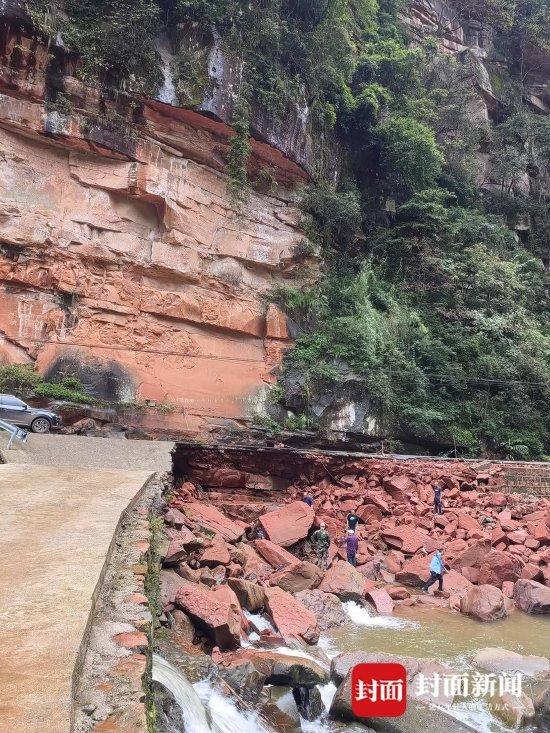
x=438, y=490
x=308, y=499
x=352, y=545
x=352, y=521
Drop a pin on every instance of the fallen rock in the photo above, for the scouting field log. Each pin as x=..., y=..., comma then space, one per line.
x=279, y=669
x=275, y=555
x=542, y=711
x=327, y=608
x=499, y=566
x=406, y=539
x=290, y=616
x=216, y=554
x=250, y=595
x=532, y=597
x=397, y=486
x=473, y=556
x=515, y=712
x=415, y=572
x=289, y=524
x=221, y=621
x=179, y=543
x=308, y=702
x=497, y=660
x=381, y=600
x=418, y=717
x=483, y=602
x=211, y=519
x=344, y=581
x=295, y=578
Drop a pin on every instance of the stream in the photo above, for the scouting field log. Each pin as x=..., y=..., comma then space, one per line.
x=420, y=632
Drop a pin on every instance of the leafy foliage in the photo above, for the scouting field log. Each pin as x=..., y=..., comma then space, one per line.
x=23, y=380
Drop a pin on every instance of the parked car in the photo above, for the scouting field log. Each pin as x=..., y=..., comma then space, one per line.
x=14, y=410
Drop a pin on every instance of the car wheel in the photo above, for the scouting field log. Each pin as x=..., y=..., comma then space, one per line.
x=41, y=425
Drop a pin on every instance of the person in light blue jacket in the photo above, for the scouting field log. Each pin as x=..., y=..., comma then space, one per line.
x=437, y=568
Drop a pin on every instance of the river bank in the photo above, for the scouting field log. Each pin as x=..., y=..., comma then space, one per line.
x=259, y=616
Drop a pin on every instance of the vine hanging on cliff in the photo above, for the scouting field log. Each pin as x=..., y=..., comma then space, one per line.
x=239, y=150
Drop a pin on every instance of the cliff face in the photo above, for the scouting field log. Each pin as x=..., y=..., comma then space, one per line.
x=122, y=258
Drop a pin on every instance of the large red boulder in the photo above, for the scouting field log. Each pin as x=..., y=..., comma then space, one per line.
x=250, y=595
x=344, y=581
x=532, y=572
x=467, y=522
x=179, y=543
x=290, y=616
x=295, y=578
x=532, y=597
x=213, y=614
x=397, y=487
x=274, y=554
x=499, y=566
x=473, y=556
x=369, y=513
x=289, y=524
x=381, y=600
x=406, y=539
x=377, y=499
x=483, y=602
x=456, y=583
x=326, y=606
x=216, y=554
x=415, y=572
x=209, y=517
x=254, y=565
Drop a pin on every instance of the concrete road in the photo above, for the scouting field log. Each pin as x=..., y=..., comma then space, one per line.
x=56, y=525
x=81, y=452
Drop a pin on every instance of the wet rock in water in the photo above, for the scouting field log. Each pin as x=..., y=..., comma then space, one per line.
x=243, y=677
x=542, y=711
x=302, y=576
x=484, y=602
x=220, y=620
x=326, y=606
x=381, y=600
x=497, y=660
x=309, y=702
x=212, y=519
x=290, y=617
x=499, y=566
x=251, y=596
x=419, y=718
x=515, y=712
x=532, y=597
x=278, y=669
x=344, y=581
x=276, y=556
x=289, y=524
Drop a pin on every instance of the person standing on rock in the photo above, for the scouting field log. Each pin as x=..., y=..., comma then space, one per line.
x=352, y=545
x=321, y=540
x=437, y=568
x=308, y=499
x=438, y=490
x=352, y=521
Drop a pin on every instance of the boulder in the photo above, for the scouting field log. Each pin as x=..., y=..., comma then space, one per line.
x=467, y=522
x=406, y=539
x=515, y=712
x=179, y=543
x=381, y=600
x=472, y=557
x=415, y=572
x=213, y=520
x=309, y=702
x=532, y=572
x=456, y=583
x=295, y=578
x=279, y=669
x=250, y=595
x=216, y=554
x=343, y=580
x=220, y=620
x=483, y=602
x=254, y=564
x=542, y=711
x=170, y=583
x=289, y=524
x=275, y=555
x=499, y=566
x=532, y=597
x=327, y=608
x=499, y=661
x=397, y=487
x=290, y=616
x=471, y=574
x=398, y=593
x=369, y=513
x=418, y=717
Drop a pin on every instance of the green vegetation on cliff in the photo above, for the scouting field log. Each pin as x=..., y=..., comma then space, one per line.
x=434, y=289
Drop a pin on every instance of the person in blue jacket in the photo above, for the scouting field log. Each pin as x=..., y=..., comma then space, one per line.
x=437, y=569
